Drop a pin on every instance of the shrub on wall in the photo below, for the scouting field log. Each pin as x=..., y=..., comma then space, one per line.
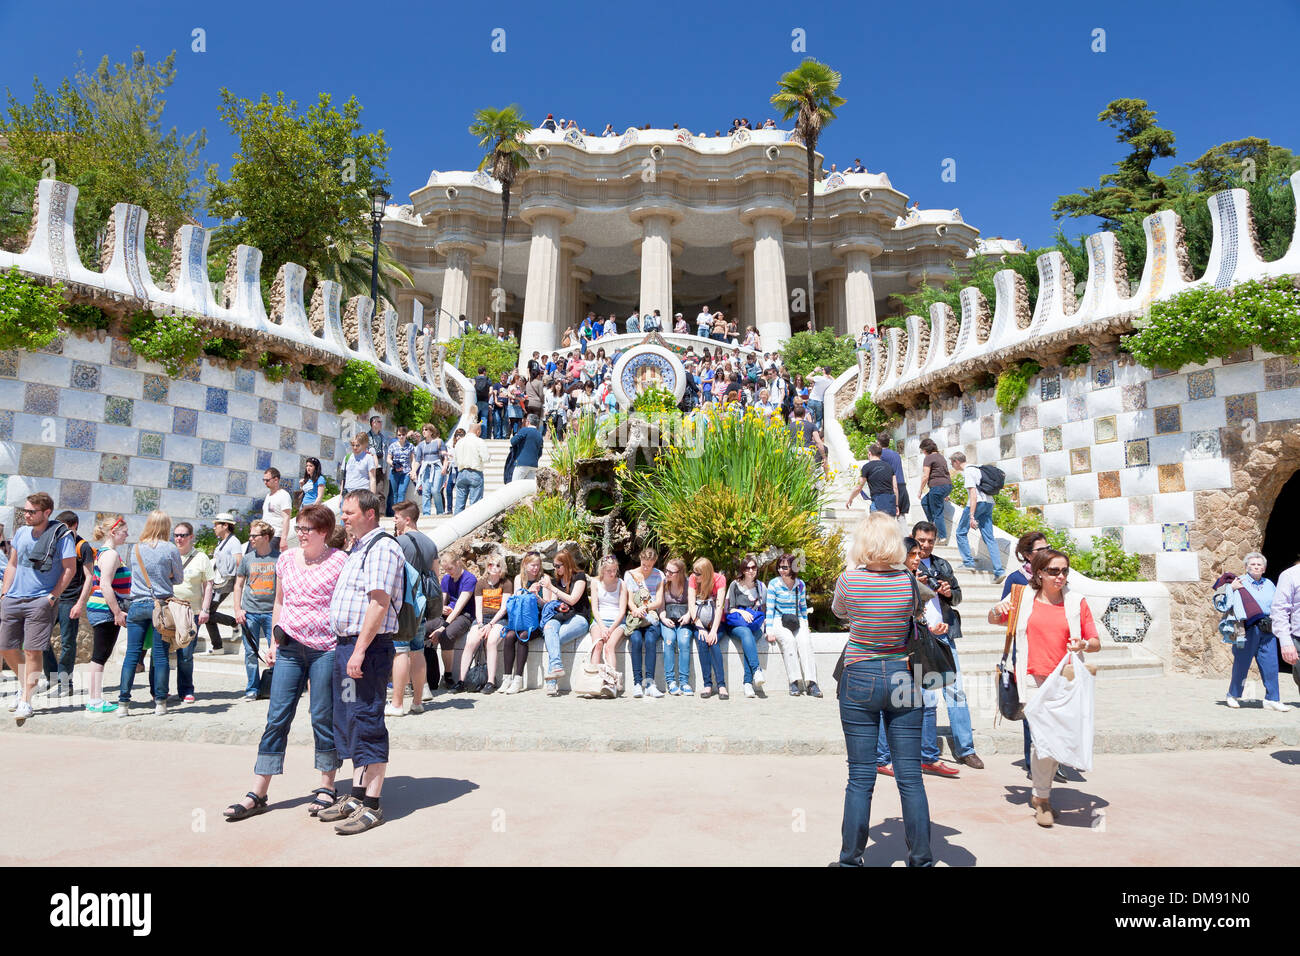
x=414, y=409
x=85, y=318
x=475, y=348
x=1204, y=323
x=229, y=349
x=1078, y=355
x=1013, y=385
x=862, y=426
x=29, y=312
x=654, y=399
x=356, y=388
x=549, y=517
x=174, y=341
x=805, y=351
x=273, y=367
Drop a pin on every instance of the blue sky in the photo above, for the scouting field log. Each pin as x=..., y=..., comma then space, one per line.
x=1010, y=91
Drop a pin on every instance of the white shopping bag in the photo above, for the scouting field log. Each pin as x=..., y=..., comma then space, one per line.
x=1061, y=715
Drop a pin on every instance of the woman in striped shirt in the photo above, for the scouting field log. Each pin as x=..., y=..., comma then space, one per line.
x=877, y=599
x=106, y=609
x=787, y=627
x=301, y=654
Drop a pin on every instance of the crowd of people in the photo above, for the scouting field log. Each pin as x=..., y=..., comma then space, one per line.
x=564, y=124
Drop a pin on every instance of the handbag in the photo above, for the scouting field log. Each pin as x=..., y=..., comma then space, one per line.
x=476, y=676
x=1009, y=705
x=704, y=613
x=590, y=671
x=172, y=619
x=928, y=654
x=790, y=622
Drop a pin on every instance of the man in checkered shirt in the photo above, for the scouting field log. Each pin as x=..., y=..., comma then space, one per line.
x=363, y=615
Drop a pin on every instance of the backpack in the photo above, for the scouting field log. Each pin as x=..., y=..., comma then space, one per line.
x=414, y=601
x=523, y=616
x=992, y=478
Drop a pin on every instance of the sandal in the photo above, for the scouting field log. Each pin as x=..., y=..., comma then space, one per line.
x=237, y=811
x=722, y=694
x=707, y=691
x=322, y=797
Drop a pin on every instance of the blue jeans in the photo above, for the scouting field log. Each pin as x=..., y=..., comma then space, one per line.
x=398, y=481
x=677, y=653
x=932, y=505
x=139, y=622
x=184, y=671
x=875, y=694
x=1262, y=649
x=645, y=641
x=984, y=519
x=929, y=732
x=469, y=488
x=295, y=666
x=556, y=635
x=255, y=626
x=886, y=503
x=711, y=659
x=431, y=489
x=748, y=646
x=818, y=409
x=499, y=422
x=484, y=416
x=61, y=669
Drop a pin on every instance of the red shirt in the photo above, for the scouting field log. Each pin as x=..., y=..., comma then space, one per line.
x=1047, y=633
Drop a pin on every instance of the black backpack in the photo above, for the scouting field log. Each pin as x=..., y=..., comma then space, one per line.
x=992, y=478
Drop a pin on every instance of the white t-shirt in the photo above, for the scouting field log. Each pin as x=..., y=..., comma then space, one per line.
x=607, y=601
x=971, y=476
x=356, y=471
x=274, y=508
x=819, y=386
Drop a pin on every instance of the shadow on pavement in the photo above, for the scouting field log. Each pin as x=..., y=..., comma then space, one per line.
x=1076, y=808
x=888, y=843
x=1291, y=757
x=404, y=795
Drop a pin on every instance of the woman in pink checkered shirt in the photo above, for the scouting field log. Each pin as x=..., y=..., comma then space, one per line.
x=302, y=653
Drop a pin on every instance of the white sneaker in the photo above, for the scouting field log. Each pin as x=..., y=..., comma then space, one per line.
x=749, y=690
x=637, y=690
x=123, y=710
x=42, y=684
x=516, y=685
x=416, y=707
x=552, y=688
x=14, y=701
x=652, y=690
x=160, y=708
x=391, y=711
x=22, y=713
x=758, y=677
x=1276, y=705
x=1232, y=702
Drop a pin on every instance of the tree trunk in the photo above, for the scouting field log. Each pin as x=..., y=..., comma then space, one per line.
x=499, y=293
x=807, y=233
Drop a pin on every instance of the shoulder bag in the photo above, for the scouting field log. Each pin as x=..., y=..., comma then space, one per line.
x=173, y=619
x=1008, y=690
x=933, y=657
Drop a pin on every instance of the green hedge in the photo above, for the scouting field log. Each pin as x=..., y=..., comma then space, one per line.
x=173, y=341
x=1013, y=385
x=862, y=426
x=29, y=312
x=805, y=351
x=356, y=388
x=473, y=349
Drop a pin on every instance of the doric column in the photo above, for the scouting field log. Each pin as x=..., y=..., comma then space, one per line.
x=771, y=303
x=831, y=308
x=744, y=279
x=859, y=291
x=568, y=302
x=460, y=254
x=482, y=279
x=656, y=255
x=542, y=292
x=578, y=277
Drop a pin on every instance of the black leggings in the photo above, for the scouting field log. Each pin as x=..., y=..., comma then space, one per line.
x=105, y=638
x=516, y=653
x=214, y=618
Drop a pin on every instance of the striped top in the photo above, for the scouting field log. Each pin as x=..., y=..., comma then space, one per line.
x=878, y=606
x=121, y=586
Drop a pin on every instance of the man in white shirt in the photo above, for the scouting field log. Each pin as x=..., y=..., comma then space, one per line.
x=360, y=469
x=817, y=396
x=703, y=322
x=276, y=508
x=980, y=507
x=471, y=463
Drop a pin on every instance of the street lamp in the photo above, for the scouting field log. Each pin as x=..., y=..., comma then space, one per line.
x=378, y=201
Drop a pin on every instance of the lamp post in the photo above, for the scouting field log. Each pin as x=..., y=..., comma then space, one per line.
x=378, y=201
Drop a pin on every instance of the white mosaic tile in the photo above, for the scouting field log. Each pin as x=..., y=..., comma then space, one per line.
x=1053, y=412
x=1138, y=481
x=125, y=382
x=1173, y=506
x=1207, y=473
x=242, y=405
x=1280, y=404
x=986, y=449
x=310, y=399
x=1236, y=379
x=1077, y=434
x=181, y=449
x=69, y=463
x=241, y=457
x=179, y=504
x=266, y=436
x=1059, y=516
x=12, y=392
x=213, y=426
x=31, y=428
x=1170, y=390
x=119, y=498
x=289, y=416
x=1168, y=449
x=185, y=394
x=86, y=350
x=235, y=503
x=216, y=376
x=45, y=368
x=209, y=479
x=119, y=439
x=286, y=461
x=970, y=431
x=1142, y=539
x=151, y=417
x=1204, y=413
x=1033, y=493
x=1110, y=512
x=147, y=472
x=1030, y=442
x=1178, y=566
x=9, y=454
x=1104, y=401
x=1142, y=424
x=1108, y=456
x=1055, y=464
x=309, y=444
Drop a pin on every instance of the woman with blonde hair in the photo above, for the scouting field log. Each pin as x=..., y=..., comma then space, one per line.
x=609, y=613
x=155, y=571
x=568, y=617
x=675, y=617
x=106, y=606
x=532, y=579
x=706, y=591
x=876, y=595
x=491, y=592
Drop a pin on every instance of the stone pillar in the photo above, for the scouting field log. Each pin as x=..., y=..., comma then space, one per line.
x=483, y=279
x=831, y=309
x=859, y=291
x=771, y=301
x=455, y=276
x=744, y=279
x=578, y=277
x=567, y=304
x=657, y=249
x=542, y=292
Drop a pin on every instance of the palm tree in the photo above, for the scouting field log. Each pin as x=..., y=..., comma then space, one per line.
x=347, y=262
x=501, y=131
x=807, y=95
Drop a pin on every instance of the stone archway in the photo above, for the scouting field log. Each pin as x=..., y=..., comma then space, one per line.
x=1281, y=541
x=1229, y=524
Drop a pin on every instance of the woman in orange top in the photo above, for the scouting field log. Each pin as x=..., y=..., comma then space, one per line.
x=1049, y=621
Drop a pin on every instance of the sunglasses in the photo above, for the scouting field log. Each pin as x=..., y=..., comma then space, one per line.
x=182, y=534
x=783, y=567
x=259, y=534
x=751, y=567
x=1056, y=572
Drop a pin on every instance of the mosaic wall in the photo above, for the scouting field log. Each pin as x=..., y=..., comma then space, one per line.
x=1115, y=449
x=103, y=431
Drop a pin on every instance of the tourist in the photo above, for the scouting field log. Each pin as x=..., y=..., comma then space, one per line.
x=379, y=443
x=587, y=404
x=363, y=617
x=155, y=571
x=1050, y=620
x=1285, y=617
x=483, y=397
x=458, y=585
x=449, y=463
x=471, y=464
x=857, y=167
x=675, y=627
x=72, y=604
x=312, y=485
x=808, y=436
x=106, y=607
x=497, y=427
x=608, y=130
x=878, y=477
x=786, y=625
x=707, y=591
x=195, y=589
x=255, y=598
x=980, y=505
x=400, y=453
x=529, y=580
x=644, y=601
x=1258, y=644
x=302, y=659
x=766, y=406
x=1029, y=545
x=557, y=409
x=535, y=394
x=490, y=593
x=703, y=322
x=653, y=322
x=226, y=558
x=719, y=327
x=895, y=461
x=409, y=657
x=633, y=324
x=744, y=616
x=752, y=341
x=277, y=508
x=817, y=396
x=680, y=326
x=361, y=468
x=527, y=446
x=609, y=609
x=548, y=123
x=428, y=469
x=936, y=485
x=565, y=615
x=514, y=406
x=876, y=687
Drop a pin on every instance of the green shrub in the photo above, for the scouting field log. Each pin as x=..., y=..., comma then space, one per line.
x=356, y=388
x=1203, y=323
x=315, y=373
x=862, y=426
x=173, y=341
x=273, y=367
x=414, y=409
x=229, y=349
x=29, y=312
x=548, y=517
x=475, y=348
x=654, y=399
x=805, y=351
x=581, y=442
x=1013, y=385
x=1078, y=355
x=85, y=318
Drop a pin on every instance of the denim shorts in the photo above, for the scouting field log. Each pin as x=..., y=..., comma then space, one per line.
x=360, y=734
x=414, y=644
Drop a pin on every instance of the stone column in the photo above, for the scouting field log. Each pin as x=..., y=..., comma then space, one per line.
x=578, y=277
x=771, y=301
x=744, y=280
x=483, y=278
x=455, y=276
x=831, y=307
x=656, y=256
x=542, y=292
x=567, y=304
x=859, y=291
